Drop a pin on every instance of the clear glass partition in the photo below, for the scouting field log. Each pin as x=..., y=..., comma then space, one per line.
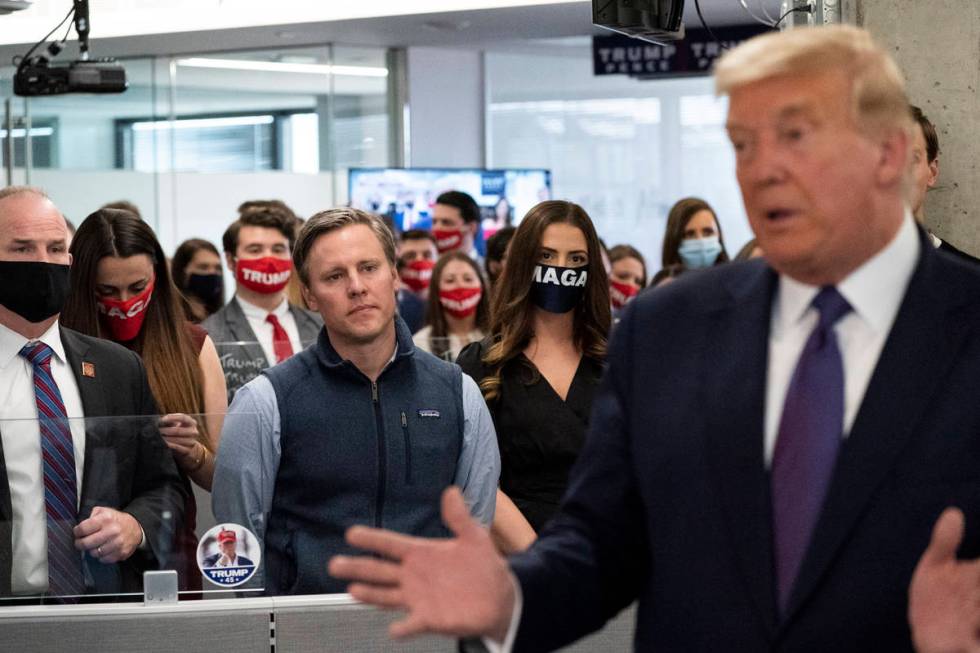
x=93, y=503
x=243, y=360
x=445, y=347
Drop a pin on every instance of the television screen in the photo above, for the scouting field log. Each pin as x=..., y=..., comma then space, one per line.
x=406, y=195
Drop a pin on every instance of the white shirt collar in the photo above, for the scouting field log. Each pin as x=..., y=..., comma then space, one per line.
x=874, y=290
x=259, y=313
x=12, y=342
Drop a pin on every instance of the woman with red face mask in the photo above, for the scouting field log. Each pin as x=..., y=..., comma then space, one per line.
x=457, y=310
x=627, y=275
x=121, y=290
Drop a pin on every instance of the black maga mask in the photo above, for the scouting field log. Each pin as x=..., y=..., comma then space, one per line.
x=557, y=289
x=33, y=290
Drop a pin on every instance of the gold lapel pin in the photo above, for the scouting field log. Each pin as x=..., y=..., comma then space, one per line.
x=88, y=369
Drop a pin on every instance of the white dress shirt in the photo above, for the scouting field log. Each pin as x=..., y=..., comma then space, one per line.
x=875, y=292
x=263, y=330
x=21, y=439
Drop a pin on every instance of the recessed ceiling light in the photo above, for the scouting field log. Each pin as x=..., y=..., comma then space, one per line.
x=283, y=67
x=447, y=25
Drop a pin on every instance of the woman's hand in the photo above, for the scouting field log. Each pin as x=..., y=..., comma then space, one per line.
x=181, y=434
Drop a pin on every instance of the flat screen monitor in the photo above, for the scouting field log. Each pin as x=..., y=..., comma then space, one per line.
x=406, y=195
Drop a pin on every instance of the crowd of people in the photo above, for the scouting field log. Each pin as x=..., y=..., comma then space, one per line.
x=309, y=402
x=528, y=324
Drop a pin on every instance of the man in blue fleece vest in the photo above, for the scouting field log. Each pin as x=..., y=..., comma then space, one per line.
x=359, y=428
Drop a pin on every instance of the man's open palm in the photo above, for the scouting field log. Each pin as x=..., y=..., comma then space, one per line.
x=459, y=586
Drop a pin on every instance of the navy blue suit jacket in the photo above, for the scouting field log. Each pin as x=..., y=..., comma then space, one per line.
x=669, y=503
x=411, y=307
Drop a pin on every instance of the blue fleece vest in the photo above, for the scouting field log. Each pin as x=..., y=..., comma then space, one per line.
x=354, y=452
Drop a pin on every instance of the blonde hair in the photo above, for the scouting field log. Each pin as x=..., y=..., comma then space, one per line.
x=332, y=219
x=878, y=89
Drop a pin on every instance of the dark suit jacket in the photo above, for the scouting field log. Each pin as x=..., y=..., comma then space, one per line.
x=669, y=503
x=411, y=307
x=127, y=464
x=947, y=247
x=241, y=355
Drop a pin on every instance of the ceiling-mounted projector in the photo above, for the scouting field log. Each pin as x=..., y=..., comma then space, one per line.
x=10, y=6
x=38, y=75
x=656, y=21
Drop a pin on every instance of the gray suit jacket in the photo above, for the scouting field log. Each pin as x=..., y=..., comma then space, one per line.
x=241, y=355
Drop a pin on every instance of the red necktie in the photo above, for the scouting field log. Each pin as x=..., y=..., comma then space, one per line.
x=281, y=346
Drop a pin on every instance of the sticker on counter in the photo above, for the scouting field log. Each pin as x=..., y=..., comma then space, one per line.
x=228, y=555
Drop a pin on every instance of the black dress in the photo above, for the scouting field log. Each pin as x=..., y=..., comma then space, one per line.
x=539, y=435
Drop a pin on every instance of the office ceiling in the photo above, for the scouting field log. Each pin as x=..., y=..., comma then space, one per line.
x=537, y=26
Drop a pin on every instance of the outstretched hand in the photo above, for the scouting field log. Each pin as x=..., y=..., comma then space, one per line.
x=459, y=586
x=944, y=597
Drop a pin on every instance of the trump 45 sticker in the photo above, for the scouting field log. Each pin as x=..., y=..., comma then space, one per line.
x=228, y=555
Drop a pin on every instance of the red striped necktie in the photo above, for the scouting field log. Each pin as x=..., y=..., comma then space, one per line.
x=60, y=487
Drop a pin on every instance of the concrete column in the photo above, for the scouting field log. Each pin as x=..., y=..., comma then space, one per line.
x=398, y=144
x=937, y=45
x=446, y=107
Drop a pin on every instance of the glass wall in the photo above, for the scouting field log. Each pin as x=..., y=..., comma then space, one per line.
x=73, y=144
x=624, y=149
x=194, y=136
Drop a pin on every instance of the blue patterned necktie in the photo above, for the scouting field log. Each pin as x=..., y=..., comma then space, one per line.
x=60, y=493
x=809, y=438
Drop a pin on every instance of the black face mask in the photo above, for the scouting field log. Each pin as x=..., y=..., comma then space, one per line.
x=209, y=288
x=33, y=290
x=556, y=289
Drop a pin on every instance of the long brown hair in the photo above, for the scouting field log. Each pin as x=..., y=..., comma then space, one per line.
x=511, y=325
x=680, y=214
x=435, y=316
x=163, y=342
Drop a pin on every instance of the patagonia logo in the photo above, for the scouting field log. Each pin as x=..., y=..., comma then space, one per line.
x=429, y=413
x=557, y=276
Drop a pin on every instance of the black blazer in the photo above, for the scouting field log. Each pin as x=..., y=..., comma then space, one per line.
x=669, y=503
x=127, y=465
x=947, y=247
